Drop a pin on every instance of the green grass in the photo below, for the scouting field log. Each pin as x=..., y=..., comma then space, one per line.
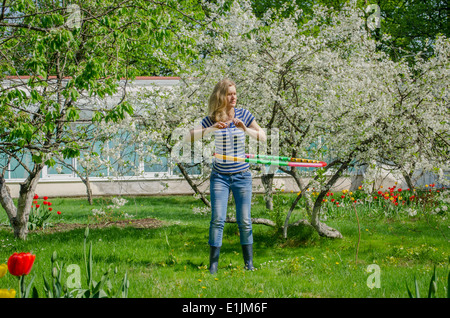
x=171, y=261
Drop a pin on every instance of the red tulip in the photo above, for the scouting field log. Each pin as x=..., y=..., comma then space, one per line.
x=36, y=197
x=37, y=206
x=59, y=212
x=45, y=198
x=50, y=209
x=20, y=264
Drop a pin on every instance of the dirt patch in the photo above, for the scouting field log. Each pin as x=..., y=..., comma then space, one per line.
x=148, y=223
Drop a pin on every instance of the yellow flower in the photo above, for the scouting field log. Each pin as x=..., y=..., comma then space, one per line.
x=7, y=293
x=337, y=263
x=353, y=199
x=426, y=186
x=299, y=192
x=3, y=270
x=204, y=287
x=351, y=193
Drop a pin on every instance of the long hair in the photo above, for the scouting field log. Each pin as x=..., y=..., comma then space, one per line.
x=218, y=100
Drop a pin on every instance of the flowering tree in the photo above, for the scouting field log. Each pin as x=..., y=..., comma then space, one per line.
x=419, y=142
x=329, y=90
x=163, y=116
x=70, y=54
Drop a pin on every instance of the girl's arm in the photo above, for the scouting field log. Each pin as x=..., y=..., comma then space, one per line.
x=254, y=130
x=198, y=132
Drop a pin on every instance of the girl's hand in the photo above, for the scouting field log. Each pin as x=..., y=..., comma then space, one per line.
x=220, y=125
x=239, y=124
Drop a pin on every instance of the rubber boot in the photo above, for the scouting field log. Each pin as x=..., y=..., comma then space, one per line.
x=214, y=259
x=247, y=251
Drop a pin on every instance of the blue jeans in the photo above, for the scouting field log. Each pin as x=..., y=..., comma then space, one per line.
x=241, y=185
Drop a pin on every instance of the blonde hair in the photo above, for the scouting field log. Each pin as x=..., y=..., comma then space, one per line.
x=218, y=100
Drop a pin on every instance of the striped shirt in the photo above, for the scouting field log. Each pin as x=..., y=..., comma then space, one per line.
x=230, y=141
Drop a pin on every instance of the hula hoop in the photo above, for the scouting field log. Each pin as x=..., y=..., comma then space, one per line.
x=274, y=160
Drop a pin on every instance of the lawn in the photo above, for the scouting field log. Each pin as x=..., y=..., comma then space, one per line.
x=170, y=258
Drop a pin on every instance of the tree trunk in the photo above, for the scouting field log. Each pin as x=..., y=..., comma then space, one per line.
x=325, y=230
x=288, y=216
x=322, y=228
x=193, y=185
x=18, y=217
x=254, y=221
x=292, y=172
x=87, y=183
x=408, y=180
x=6, y=200
x=267, y=182
x=314, y=213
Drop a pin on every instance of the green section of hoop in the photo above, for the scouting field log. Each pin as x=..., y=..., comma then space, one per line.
x=270, y=162
x=267, y=157
x=281, y=158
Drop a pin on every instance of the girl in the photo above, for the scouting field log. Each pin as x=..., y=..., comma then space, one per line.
x=229, y=125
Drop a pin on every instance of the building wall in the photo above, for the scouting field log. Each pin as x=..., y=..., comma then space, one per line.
x=148, y=187
x=174, y=185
